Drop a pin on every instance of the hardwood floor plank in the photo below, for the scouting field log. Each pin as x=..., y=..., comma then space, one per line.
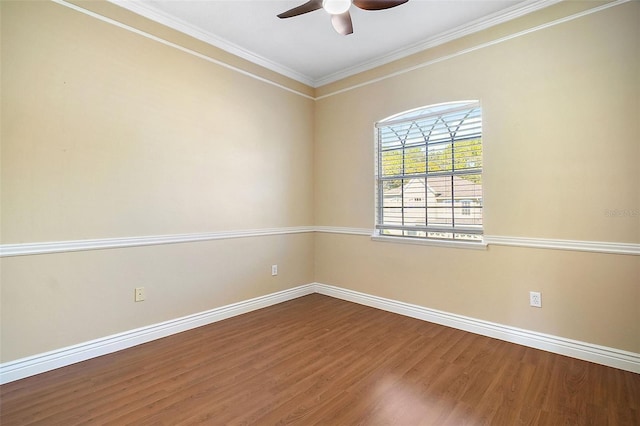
x=319, y=360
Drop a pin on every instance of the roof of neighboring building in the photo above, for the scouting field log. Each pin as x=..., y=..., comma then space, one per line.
x=440, y=187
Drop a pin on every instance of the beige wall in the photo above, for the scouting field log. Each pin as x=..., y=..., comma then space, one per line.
x=108, y=134
x=561, y=147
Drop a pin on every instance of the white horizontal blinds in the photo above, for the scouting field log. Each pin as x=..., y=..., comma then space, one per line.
x=430, y=172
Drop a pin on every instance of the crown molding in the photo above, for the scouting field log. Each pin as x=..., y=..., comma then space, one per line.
x=165, y=19
x=488, y=21
x=176, y=46
x=475, y=26
x=473, y=48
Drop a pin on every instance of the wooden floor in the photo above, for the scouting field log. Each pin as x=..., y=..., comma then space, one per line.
x=319, y=360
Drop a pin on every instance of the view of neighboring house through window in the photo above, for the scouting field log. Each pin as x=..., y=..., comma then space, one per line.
x=429, y=173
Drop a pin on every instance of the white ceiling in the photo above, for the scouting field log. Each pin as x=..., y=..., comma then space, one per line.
x=307, y=49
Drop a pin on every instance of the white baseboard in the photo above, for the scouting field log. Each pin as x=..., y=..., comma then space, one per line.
x=611, y=357
x=25, y=367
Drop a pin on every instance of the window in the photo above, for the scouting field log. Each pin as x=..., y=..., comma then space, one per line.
x=429, y=173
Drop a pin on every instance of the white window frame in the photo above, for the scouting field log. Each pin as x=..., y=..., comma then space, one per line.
x=409, y=235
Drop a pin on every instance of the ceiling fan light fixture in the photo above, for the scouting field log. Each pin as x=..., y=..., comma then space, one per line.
x=336, y=7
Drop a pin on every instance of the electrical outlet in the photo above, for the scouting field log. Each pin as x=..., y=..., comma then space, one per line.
x=274, y=270
x=139, y=294
x=535, y=299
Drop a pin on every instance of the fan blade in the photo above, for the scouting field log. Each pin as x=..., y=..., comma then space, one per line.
x=309, y=6
x=342, y=23
x=378, y=4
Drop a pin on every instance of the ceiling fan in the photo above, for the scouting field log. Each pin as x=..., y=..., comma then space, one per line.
x=339, y=10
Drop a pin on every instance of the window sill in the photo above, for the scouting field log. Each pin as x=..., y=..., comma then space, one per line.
x=431, y=242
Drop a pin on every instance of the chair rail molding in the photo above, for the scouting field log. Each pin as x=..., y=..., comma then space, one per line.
x=25, y=249
x=574, y=245
x=35, y=248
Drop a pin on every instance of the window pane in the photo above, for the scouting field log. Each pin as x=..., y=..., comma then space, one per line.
x=440, y=157
x=468, y=200
x=413, y=192
x=392, y=216
x=468, y=154
x=436, y=152
x=391, y=163
x=414, y=160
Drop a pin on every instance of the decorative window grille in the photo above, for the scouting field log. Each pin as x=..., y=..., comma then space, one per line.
x=429, y=173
